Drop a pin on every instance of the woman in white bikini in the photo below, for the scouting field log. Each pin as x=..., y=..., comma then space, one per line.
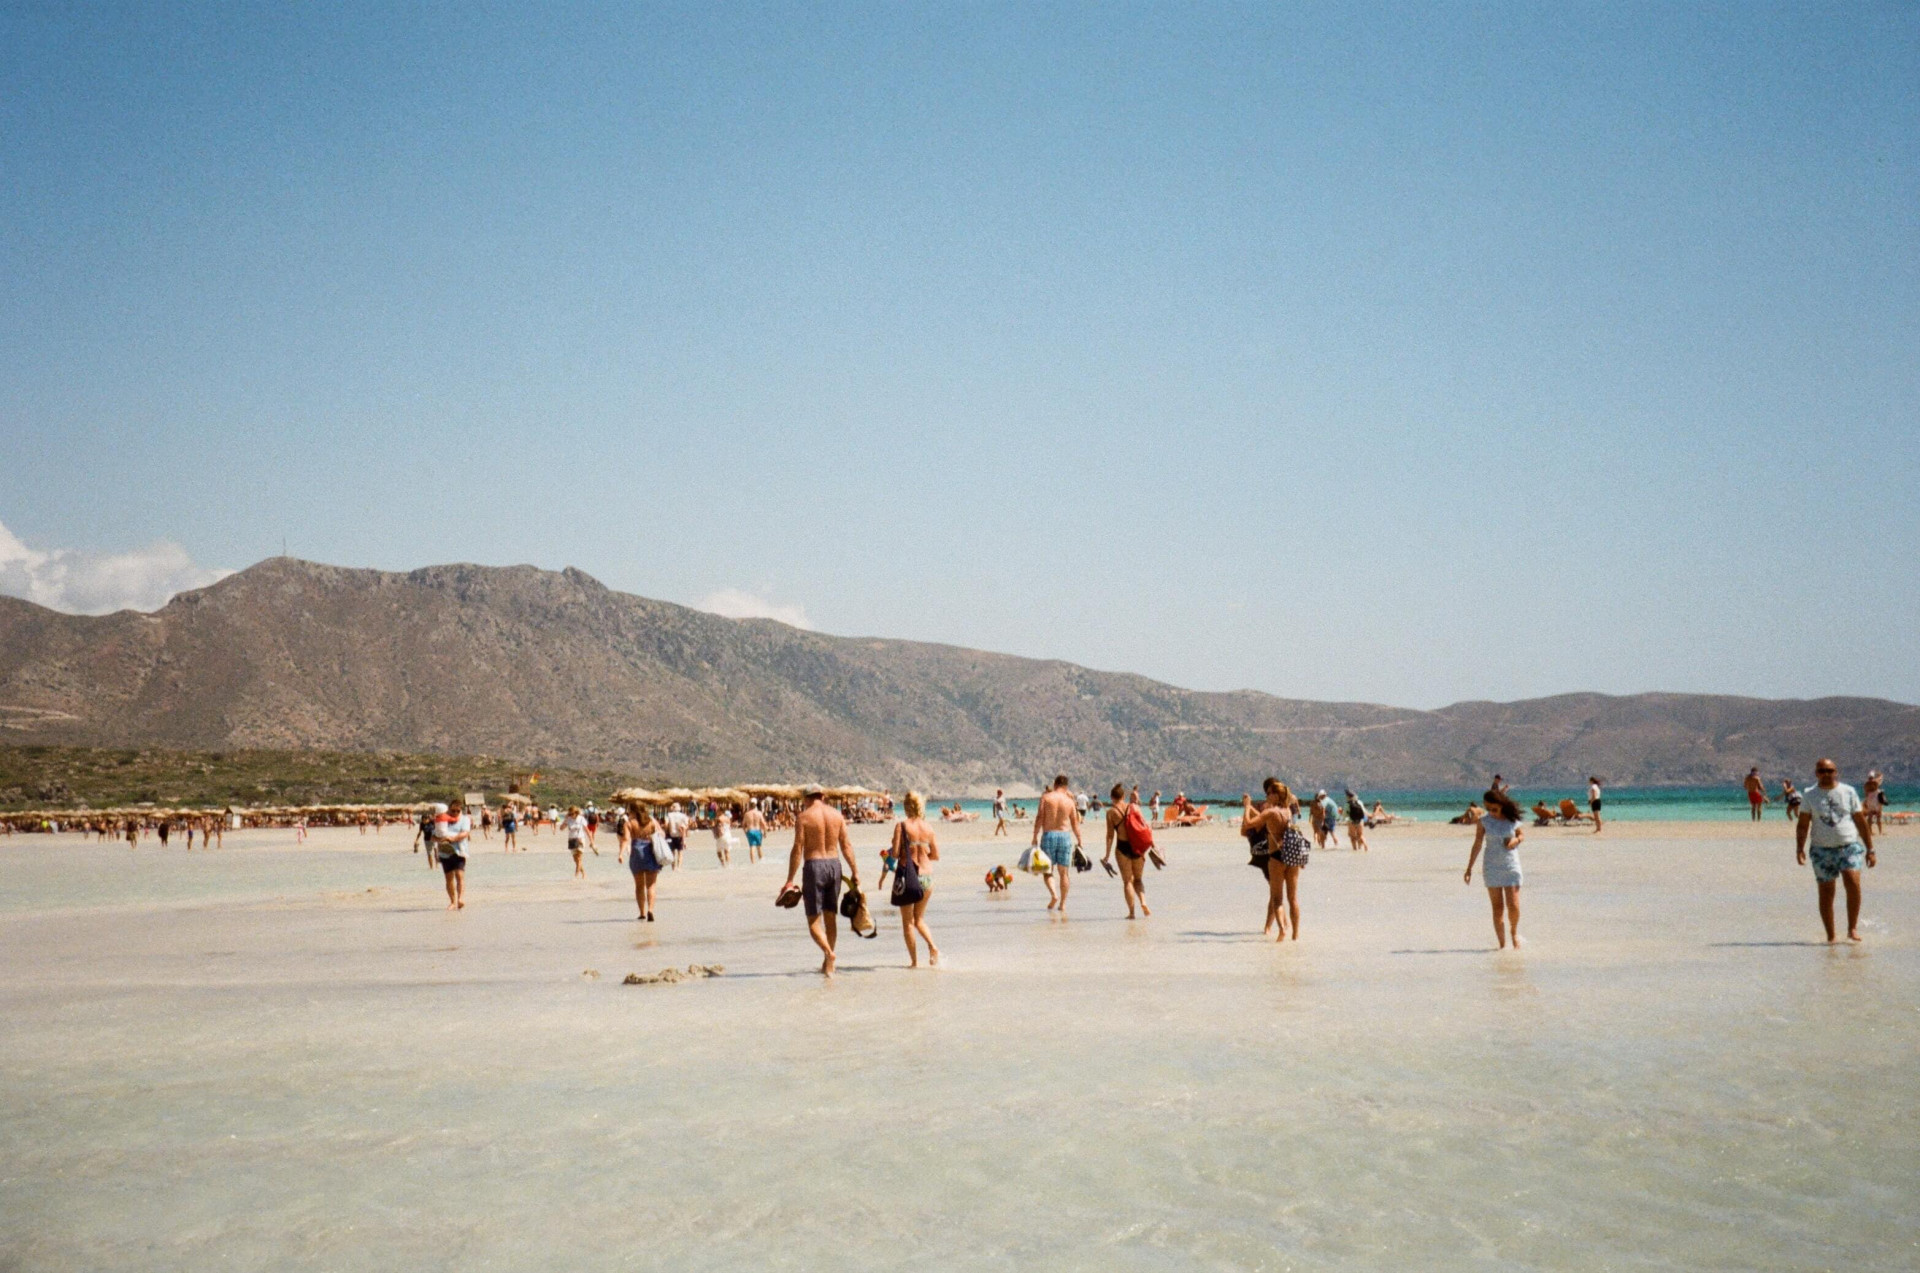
x=914, y=847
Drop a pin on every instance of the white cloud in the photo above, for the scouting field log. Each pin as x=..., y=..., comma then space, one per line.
x=99, y=583
x=732, y=603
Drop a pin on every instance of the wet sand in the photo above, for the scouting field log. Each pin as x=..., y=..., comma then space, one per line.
x=272, y=1056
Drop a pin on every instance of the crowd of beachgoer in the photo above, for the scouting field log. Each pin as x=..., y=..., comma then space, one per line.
x=1834, y=831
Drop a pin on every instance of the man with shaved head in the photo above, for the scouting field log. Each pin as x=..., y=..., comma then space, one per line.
x=1834, y=826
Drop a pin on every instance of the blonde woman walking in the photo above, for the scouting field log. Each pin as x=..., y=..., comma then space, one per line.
x=643, y=856
x=913, y=848
x=1287, y=855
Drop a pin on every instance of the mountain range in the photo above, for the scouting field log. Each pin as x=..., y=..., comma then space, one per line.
x=553, y=667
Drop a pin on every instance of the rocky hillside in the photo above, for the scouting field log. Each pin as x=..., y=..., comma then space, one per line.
x=553, y=668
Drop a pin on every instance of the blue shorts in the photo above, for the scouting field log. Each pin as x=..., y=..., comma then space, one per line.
x=1058, y=846
x=1828, y=863
x=754, y=837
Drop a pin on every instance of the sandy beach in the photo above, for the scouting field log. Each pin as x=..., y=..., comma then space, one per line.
x=273, y=1056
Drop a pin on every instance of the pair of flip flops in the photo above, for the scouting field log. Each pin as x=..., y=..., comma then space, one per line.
x=789, y=897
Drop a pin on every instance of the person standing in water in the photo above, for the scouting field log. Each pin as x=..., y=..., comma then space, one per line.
x=820, y=844
x=637, y=840
x=1133, y=884
x=1756, y=793
x=1593, y=802
x=1791, y=798
x=1000, y=813
x=576, y=828
x=451, y=831
x=1056, y=831
x=1356, y=823
x=676, y=833
x=1836, y=827
x=723, y=837
x=914, y=847
x=756, y=824
x=1288, y=852
x=1499, y=833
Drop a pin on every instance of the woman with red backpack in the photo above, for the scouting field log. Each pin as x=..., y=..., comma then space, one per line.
x=1128, y=832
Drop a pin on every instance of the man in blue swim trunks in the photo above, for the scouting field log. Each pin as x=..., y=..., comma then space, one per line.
x=1056, y=831
x=1835, y=827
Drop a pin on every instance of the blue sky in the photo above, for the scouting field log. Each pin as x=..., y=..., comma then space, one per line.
x=1408, y=355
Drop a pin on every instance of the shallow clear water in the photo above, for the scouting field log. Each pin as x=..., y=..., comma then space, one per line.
x=252, y=1061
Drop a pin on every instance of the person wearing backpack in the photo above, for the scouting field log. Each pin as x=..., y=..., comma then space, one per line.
x=1120, y=814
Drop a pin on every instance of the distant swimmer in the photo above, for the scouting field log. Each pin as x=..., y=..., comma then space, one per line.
x=1056, y=831
x=639, y=838
x=1287, y=854
x=820, y=844
x=1593, y=802
x=1000, y=813
x=1834, y=826
x=451, y=831
x=914, y=849
x=1133, y=886
x=756, y=824
x=1756, y=793
x=1499, y=834
x=576, y=829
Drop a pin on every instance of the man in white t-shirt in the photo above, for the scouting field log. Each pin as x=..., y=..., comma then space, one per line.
x=676, y=833
x=1834, y=826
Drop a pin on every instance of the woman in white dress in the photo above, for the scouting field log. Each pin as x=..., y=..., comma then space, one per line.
x=1499, y=834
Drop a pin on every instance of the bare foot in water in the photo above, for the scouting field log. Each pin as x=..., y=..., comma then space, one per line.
x=1144, y=910
x=933, y=957
x=1853, y=936
x=826, y=967
x=1516, y=941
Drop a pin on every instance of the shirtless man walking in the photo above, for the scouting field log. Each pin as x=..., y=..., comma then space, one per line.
x=756, y=824
x=1756, y=793
x=1056, y=830
x=819, y=843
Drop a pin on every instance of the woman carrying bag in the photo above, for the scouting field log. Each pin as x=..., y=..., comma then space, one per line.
x=913, y=848
x=643, y=856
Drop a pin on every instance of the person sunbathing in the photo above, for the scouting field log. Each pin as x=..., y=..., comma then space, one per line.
x=1185, y=813
x=1542, y=816
x=1570, y=812
x=1380, y=817
x=1471, y=818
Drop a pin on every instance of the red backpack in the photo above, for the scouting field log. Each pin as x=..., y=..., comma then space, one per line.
x=1139, y=834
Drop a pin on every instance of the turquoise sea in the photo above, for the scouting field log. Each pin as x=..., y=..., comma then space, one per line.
x=1629, y=804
